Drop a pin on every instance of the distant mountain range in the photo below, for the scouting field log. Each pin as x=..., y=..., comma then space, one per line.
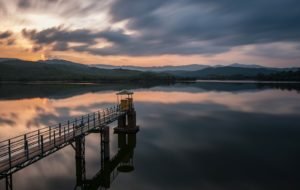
x=191, y=67
x=235, y=71
x=62, y=70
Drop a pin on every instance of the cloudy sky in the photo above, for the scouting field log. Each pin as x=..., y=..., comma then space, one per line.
x=152, y=32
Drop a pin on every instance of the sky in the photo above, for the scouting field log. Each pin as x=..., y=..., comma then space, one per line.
x=152, y=32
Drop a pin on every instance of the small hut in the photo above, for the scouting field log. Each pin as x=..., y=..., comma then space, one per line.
x=125, y=100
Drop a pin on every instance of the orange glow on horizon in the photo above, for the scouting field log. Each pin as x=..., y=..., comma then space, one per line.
x=234, y=56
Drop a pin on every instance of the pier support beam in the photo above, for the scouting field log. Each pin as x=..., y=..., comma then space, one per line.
x=80, y=162
x=105, y=157
x=122, y=121
x=121, y=140
x=8, y=182
x=131, y=118
x=129, y=127
x=105, y=153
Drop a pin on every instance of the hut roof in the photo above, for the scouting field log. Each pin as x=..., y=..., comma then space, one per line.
x=125, y=92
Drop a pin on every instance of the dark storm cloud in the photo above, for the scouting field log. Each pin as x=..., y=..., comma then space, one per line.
x=123, y=44
x=183, y=27
x=7, y=39
x=60, y=37
x=60, y=46
x=64, y=8
x=277, y=51
x=229, y=23
x=11, y=42
x=5, y=34
x=24, y=3
x=59, y=34
x=37, y=48
x=7, y=121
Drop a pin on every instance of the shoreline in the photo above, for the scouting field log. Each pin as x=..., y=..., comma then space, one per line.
x=146, y=82
x=248, y=81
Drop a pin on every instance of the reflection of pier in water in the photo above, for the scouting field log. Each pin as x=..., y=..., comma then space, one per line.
x=110, y=167
x=21, y=151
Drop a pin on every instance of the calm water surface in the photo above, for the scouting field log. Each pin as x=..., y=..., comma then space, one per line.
x=209, y=136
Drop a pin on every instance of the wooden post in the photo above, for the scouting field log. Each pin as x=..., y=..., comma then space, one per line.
x=42, y=143
x=88, y=121
x=68, y=126
x=73, y=130
x=39, y=138
x=64, y=134
x=8, y=182
x=107, y=111
x=103, y=116
x=50, y=134
x=99, y=122
x=54, y=138
x=9, y=153
x=94, y=119
x=26, y=146
x=109, y=114
x=26, y=149
x=59, y=129
x=25, y=137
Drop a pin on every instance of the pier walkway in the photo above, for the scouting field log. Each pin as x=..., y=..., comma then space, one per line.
x=21, y=151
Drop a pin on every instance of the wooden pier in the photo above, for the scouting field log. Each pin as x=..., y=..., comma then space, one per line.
x=21, y=151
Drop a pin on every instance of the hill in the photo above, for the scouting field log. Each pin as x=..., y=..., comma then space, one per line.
x=61, y=70
x=19, y=70
x=167, y=68
x=224, y=72
x=192, y=67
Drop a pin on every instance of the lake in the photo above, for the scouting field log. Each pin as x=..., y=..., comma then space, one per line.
x=204, y=135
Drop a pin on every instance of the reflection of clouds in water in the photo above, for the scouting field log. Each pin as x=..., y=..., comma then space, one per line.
x=9, y=122
x=29, y=114
x=225, y=150
x=208, y=140
x=60, y=165
x=38, y=112
x=57, y=171
x=22, y=112
x=267, y=101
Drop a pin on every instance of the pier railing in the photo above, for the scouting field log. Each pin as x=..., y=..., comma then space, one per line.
x=16, y=151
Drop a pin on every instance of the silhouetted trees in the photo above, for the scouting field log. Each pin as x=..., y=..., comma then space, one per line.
x=280, y=76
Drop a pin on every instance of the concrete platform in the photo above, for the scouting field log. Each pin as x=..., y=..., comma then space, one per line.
x=127, y=130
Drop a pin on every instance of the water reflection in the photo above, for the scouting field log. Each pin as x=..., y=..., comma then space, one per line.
x=219, y=149
x=195, y=136
x=122, y=161
x=63, y=91
x=20, y=115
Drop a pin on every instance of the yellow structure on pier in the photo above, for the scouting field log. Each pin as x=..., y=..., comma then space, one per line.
x=126, y=103
x=126, y=122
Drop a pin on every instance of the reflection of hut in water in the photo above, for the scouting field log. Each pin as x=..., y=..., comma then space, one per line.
x=126, y=142
x=121, y=162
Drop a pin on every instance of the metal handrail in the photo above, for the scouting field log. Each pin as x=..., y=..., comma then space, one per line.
x=26, y=143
